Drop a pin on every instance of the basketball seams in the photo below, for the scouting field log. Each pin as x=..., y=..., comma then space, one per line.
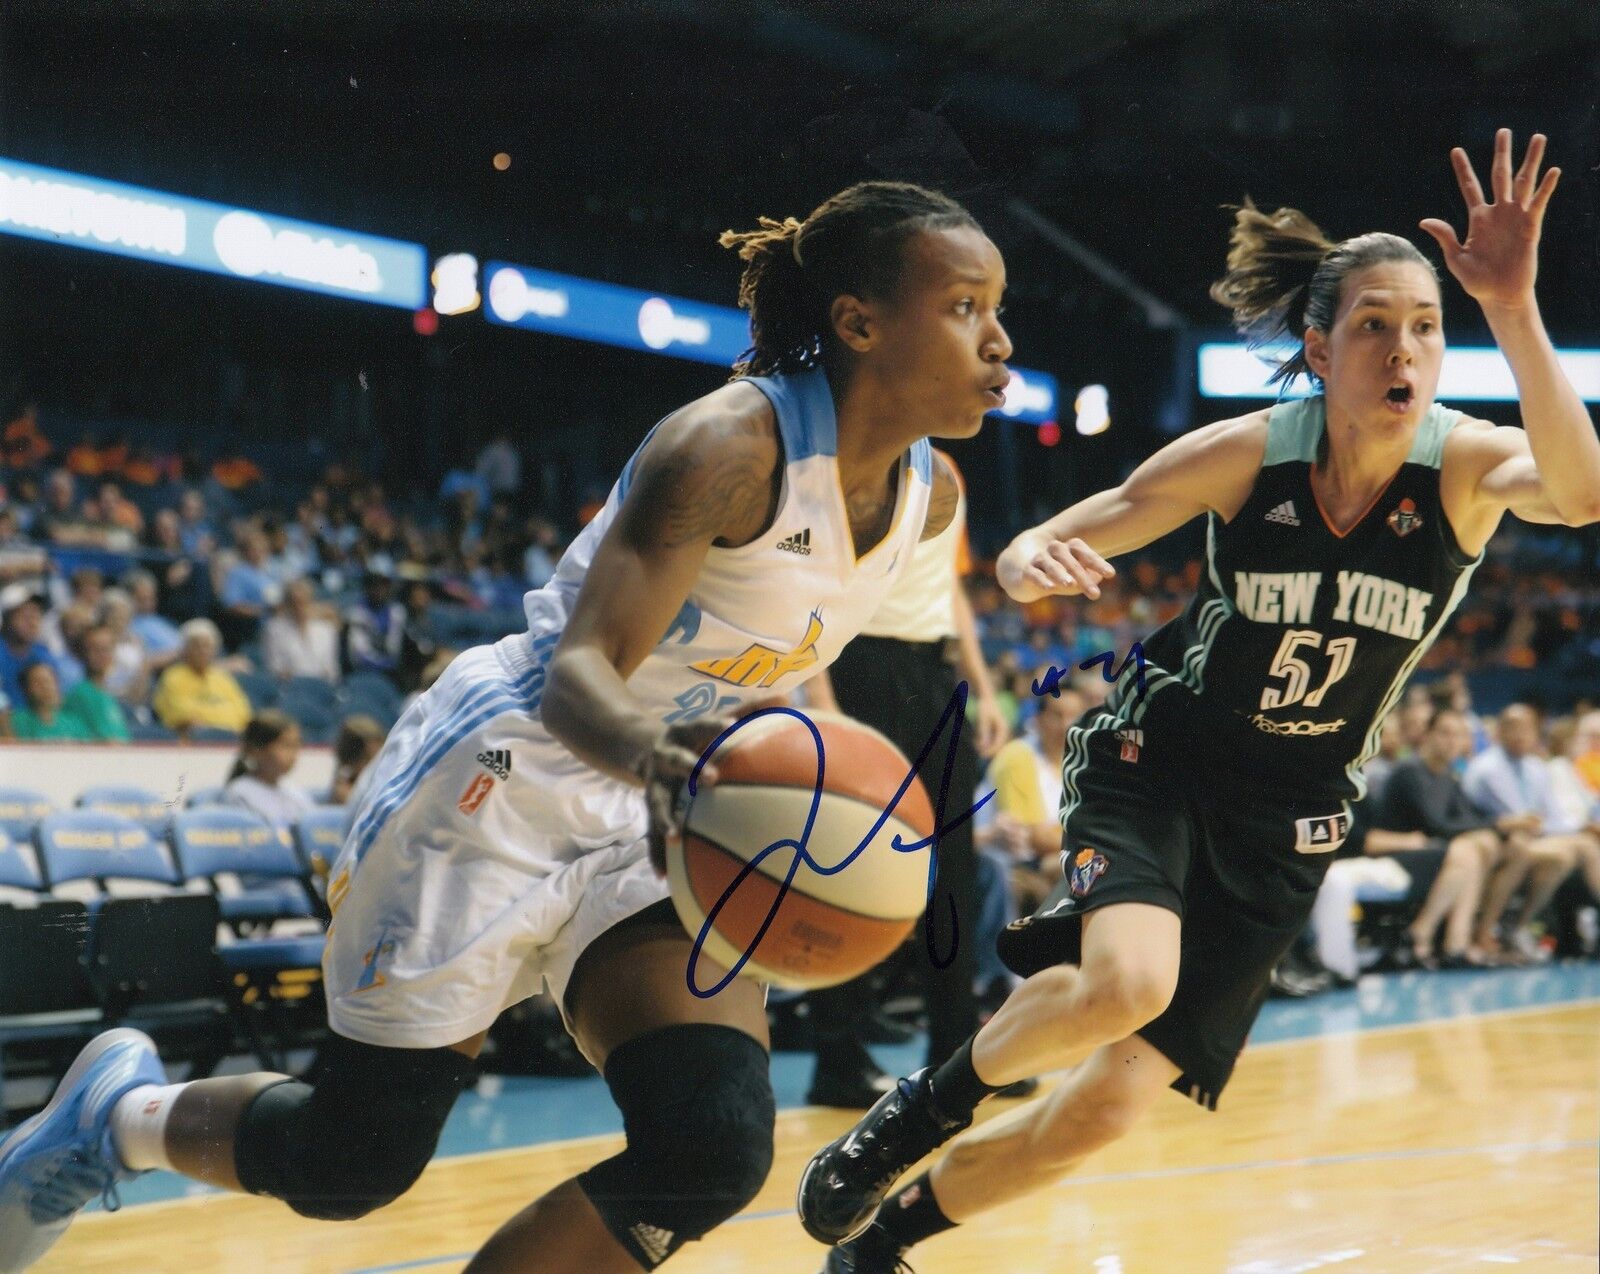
x=705, y=906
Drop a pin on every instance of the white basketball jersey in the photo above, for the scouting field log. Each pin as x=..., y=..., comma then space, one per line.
x=765, y=616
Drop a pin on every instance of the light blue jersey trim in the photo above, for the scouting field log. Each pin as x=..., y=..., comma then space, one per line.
x=626, y=479
x=803, y=404
x=922, y=460
x=481, y=704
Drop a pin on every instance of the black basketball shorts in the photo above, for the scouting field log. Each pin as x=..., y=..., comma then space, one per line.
x=1239, y=864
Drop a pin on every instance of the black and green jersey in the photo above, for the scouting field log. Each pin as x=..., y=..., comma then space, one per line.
x=1301, y=639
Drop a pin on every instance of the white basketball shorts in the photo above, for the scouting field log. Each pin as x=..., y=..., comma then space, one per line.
x=481, y=862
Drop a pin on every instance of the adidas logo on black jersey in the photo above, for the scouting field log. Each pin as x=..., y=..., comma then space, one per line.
x=656, y=1242
x=799, y=542
x=1284, y=514
x=497, y=762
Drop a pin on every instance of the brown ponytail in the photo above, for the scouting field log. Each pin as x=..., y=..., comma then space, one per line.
x=1284, y=275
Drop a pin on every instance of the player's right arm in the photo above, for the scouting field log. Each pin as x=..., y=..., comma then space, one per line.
x=1211, y=469
x=707, y=475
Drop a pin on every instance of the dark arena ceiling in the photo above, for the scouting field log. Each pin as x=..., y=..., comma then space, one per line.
x=646, y=127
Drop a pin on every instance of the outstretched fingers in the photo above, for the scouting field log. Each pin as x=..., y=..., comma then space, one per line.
x=1466, y=178
x=1528, y=174
x=1500, y=166
x=1541, y=196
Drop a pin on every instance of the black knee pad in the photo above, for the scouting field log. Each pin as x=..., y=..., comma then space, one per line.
x=356, y=1138
x=697, y=1104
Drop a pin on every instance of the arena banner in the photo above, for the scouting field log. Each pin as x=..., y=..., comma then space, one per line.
x=544, y=301
x=152, y=225
x=1230, y=369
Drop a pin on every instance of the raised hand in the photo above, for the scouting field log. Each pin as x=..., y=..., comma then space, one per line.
x=1497, y=263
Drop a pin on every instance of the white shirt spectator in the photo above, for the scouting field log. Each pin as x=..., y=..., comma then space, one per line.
x=282, y=804
x=126, y=674
x=1498, y=783
x=310, y=649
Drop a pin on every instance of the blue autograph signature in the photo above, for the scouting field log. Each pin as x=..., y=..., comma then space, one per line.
x=1051, y=685
x=955, y=717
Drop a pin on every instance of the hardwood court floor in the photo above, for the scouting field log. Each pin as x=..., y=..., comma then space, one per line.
x=1443, y=1147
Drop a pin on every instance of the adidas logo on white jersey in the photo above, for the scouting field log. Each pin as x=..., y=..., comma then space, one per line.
x=1284, y=514
x=497, y=762
x=653, y=1240
x=799, y=542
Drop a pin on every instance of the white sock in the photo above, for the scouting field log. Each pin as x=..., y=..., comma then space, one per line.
x=139, y=1125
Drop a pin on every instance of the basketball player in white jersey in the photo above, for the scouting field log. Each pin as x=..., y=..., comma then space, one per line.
x=1202, y=803
x=505, y=840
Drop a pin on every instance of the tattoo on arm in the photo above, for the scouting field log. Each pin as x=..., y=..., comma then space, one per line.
x=699, y=489
x=942, y=500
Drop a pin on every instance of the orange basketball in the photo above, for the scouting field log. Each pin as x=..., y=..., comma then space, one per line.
x=851, y=896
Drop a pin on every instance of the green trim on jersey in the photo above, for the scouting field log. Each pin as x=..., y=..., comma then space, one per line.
x=1369, y=747
x=1294, y=428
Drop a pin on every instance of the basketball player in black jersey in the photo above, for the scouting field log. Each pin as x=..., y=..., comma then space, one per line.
x=1200, y=806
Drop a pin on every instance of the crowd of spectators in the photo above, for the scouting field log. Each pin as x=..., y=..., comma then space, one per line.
x=208, y=583
x=1473, y=827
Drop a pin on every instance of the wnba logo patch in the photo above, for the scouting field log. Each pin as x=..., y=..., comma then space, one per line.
x=1087, y=868
x=1405, y=519
x=476, y=793
x=1131, y=741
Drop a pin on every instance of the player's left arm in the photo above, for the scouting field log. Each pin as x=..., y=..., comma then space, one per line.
x=1506, y=476
x=1552, y=472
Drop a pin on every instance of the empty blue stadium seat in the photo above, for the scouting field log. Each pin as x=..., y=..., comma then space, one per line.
x=141, y=804
x=88, y=845
x=150, y=732
x=370, y=694
x=259, y=687
x=21, y=809
x=211, y=734
x=18, y=868
x=321, y=834
x=221, y=840
x=314, y=704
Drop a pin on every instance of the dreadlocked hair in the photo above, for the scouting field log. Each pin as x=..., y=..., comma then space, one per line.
x=850, y=245
x=1284, y=275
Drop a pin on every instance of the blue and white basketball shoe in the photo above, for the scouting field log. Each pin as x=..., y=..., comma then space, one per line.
x=54, y=1163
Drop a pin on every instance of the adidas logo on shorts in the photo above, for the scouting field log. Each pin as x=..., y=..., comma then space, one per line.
x=497, y=762
x=654, y=1240
x=1284, y=514
x=799, y=542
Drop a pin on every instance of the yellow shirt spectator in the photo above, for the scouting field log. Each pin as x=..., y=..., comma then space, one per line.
x=194, y=691
x=1018, y=776
x=185, y=697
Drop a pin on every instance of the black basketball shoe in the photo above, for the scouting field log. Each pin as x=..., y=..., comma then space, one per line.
x=873, y=1253
x=847, y=1179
